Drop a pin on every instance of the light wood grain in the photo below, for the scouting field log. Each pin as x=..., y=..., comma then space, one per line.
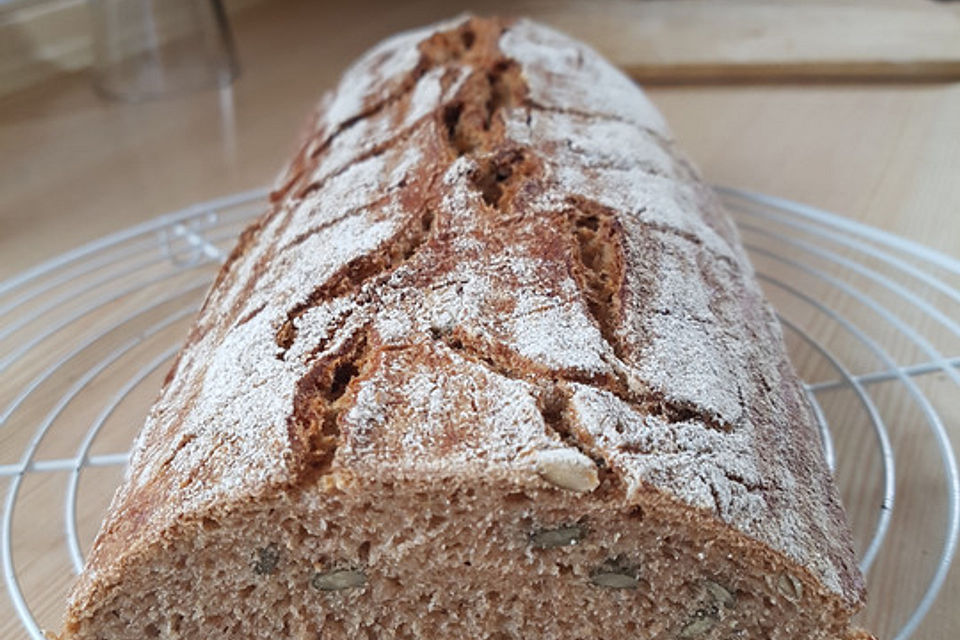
x=696, y=40
x=656, y=40
x=73, y=168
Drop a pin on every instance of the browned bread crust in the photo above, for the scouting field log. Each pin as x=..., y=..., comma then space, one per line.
x=494, y=364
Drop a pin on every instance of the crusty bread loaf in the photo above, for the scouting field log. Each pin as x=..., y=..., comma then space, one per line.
x=493, y=365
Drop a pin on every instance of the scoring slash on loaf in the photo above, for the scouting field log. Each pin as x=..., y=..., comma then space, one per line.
x=493, y=365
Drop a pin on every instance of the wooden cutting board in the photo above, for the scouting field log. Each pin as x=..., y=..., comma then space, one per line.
x=658, y=41
x=683, y=41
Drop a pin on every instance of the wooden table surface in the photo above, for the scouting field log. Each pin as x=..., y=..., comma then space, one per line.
x=74, y=167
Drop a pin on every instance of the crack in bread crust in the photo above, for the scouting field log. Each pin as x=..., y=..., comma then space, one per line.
x=502, y=171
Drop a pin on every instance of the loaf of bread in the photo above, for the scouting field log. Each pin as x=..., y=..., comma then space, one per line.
x=493, y=365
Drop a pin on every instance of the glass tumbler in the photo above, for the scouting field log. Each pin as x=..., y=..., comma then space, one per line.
x=146, y=49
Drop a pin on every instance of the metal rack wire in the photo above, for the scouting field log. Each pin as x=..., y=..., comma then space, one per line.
x=94, y=328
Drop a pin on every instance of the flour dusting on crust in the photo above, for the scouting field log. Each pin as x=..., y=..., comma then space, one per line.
x=463, y=240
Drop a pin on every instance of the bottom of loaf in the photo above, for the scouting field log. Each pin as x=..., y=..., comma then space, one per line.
x=452, y=559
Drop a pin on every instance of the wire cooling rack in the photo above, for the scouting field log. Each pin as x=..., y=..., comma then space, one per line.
x=870, y=320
